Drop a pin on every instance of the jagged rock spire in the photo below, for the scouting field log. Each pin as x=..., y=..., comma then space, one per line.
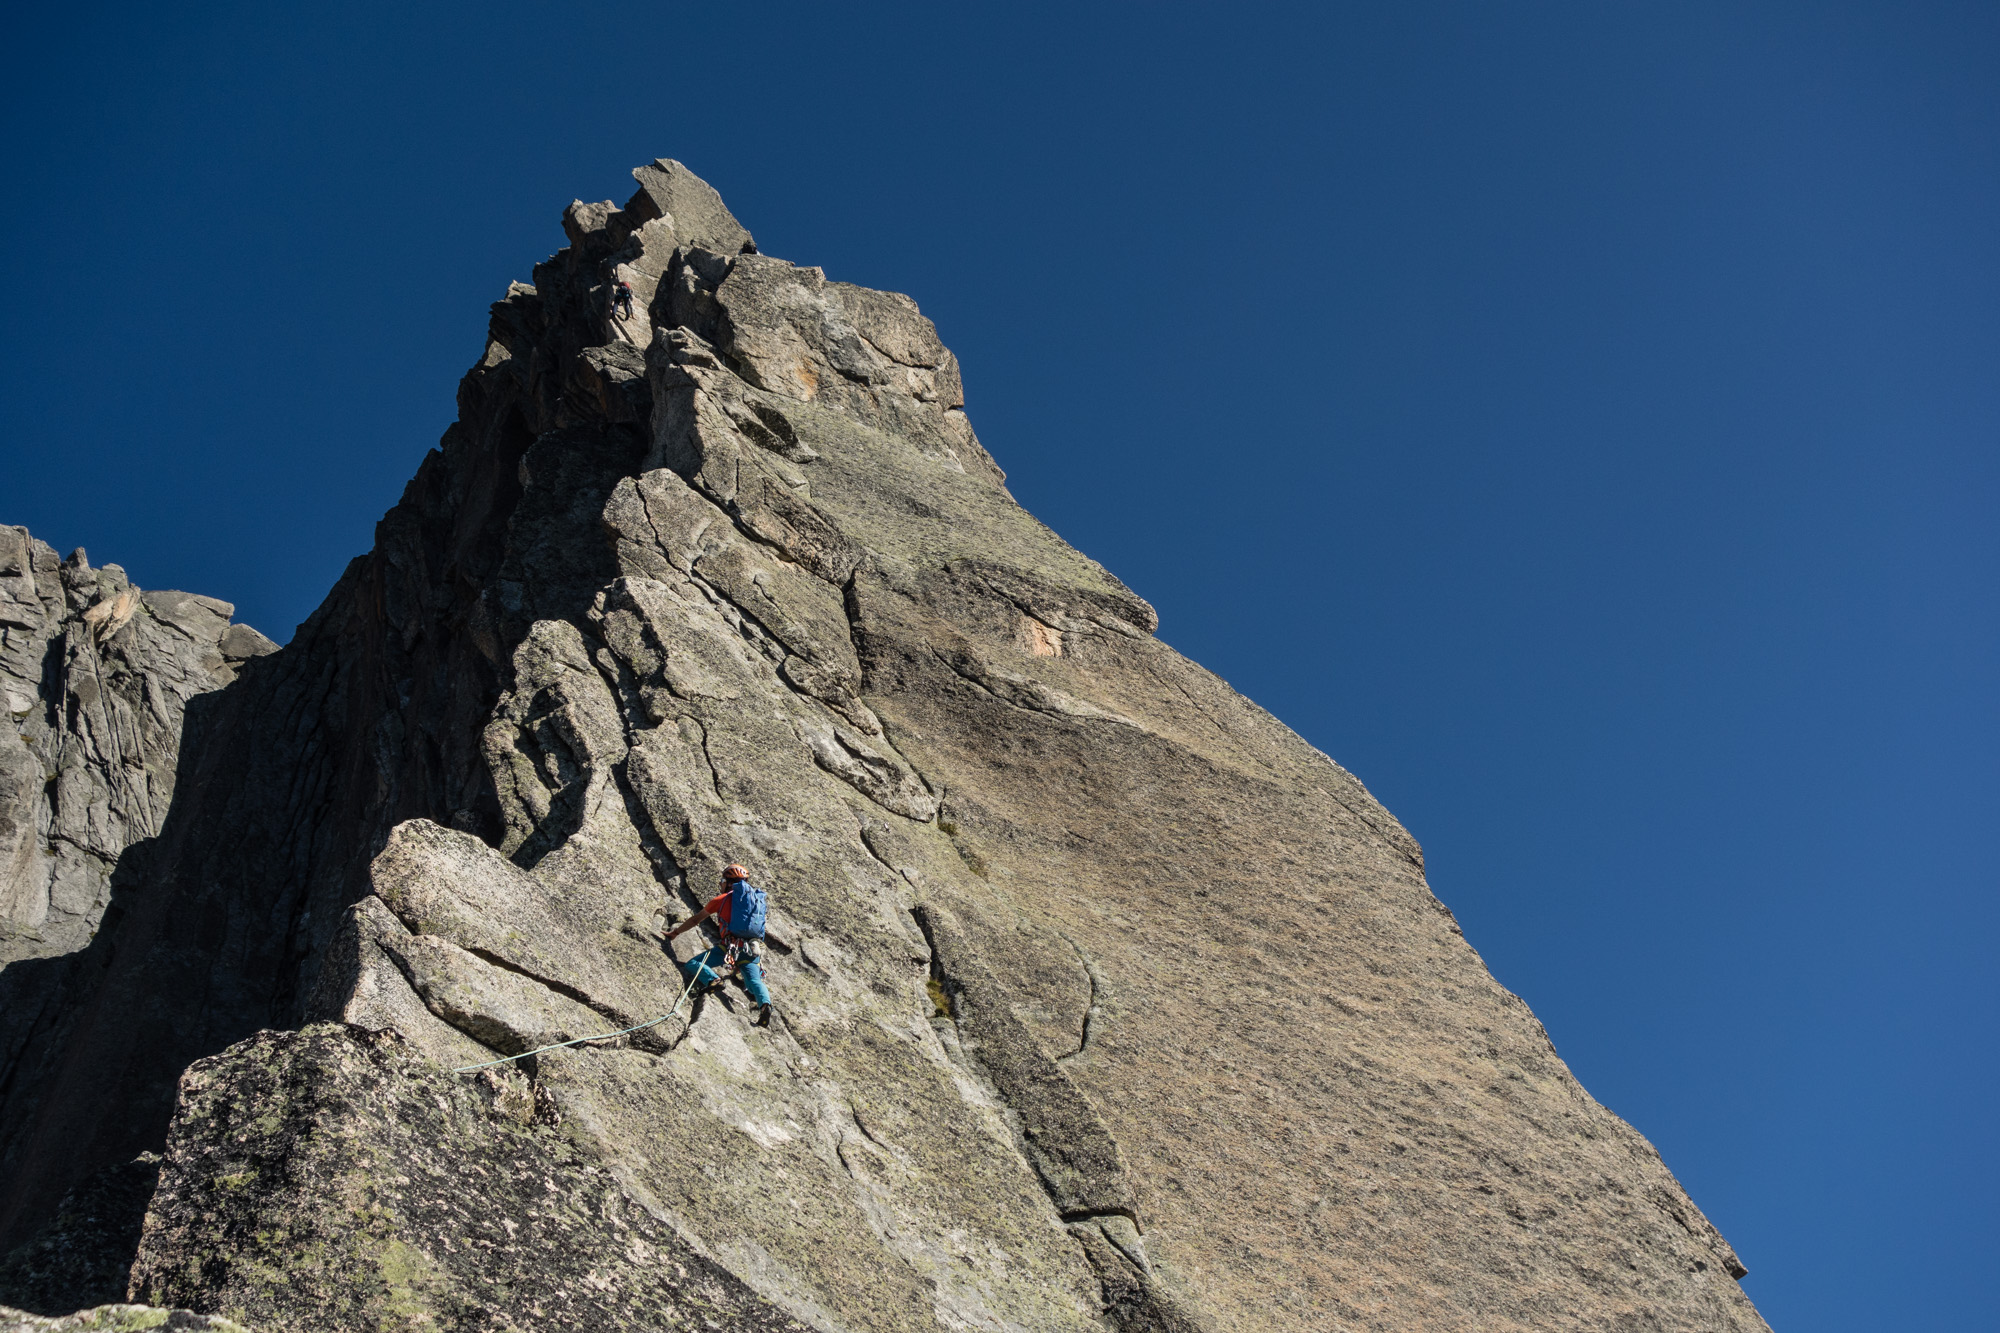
x=1104, y=999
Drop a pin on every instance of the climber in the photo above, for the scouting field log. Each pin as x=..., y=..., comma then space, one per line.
x=739, y=914
x=621, y=298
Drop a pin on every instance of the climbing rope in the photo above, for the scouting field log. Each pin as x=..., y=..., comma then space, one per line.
x=651, y=1022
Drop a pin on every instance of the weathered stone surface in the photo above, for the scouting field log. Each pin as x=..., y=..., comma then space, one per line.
x=98, y=682
x=95, y=676
x=668, y=190
x=1103, y=999
x=1062, y=1136
x=362, y=983
x=115, y=1319
x=85, y=1255
x=328, y=1180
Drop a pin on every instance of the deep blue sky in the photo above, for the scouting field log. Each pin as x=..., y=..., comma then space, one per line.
x=1577, y=419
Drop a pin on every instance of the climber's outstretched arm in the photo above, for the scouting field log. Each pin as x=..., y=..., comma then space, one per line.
x=690, y=923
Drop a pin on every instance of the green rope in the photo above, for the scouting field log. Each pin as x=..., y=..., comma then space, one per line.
x=651, y=1022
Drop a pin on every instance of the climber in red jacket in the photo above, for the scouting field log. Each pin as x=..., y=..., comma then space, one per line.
x=738, y=912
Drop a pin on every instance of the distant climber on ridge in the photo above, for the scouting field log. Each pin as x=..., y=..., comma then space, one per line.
x=738, y=912
x=621, y=299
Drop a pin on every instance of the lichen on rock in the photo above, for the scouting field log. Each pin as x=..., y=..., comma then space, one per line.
x=331, y=1178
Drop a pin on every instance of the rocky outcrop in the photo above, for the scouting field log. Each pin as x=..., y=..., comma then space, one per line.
x=331, y=1179
x=98, y=679
x=1104, y=1001
x=95, y=675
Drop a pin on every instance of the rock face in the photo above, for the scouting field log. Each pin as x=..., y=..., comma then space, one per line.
x=1104, y=1001
x=98, y=679
x=95, y=675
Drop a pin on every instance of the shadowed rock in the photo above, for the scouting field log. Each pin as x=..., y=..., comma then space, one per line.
x=95, y=675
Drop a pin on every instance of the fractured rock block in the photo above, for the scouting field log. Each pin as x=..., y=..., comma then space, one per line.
x=396, y=1195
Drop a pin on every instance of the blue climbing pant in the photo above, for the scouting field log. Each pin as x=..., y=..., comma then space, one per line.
x=702, y=968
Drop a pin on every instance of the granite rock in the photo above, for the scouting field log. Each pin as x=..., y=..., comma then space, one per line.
x=95, y=677
x=1104, y=1001
x=100, y=681
x=327, y=1179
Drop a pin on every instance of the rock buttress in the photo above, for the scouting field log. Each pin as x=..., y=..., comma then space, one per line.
x=99, y=682
x=328, y=1179
x=95, y=676
x=1104, y=1000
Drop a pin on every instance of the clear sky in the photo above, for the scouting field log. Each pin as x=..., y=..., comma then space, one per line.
x=1579, y=419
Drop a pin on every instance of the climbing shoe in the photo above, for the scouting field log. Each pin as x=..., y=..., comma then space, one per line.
x=763, y=1015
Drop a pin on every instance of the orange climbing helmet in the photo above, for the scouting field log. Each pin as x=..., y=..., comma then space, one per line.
x=734, y=872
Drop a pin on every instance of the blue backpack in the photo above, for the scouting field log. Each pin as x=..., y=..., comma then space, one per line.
x=746, y=910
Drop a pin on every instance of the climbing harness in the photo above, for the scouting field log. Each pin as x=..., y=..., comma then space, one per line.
x=652, y=1022
x=736, y=949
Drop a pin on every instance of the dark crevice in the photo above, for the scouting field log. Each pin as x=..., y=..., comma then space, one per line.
x=973, y=681
x=1192, y=702
x=868, y=842
x=714, y=773
x=770, y=642
x=1133, y=1301
x=667, y=869
x=733, y=511
x=611, y=1012
x=761, y=637
x=1092, y=1214
x=850, y=606
x=956, y=664
x=862, y=1125
x=1090, y=1013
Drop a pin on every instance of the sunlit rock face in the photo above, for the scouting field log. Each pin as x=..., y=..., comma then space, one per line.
x=1103, y=999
